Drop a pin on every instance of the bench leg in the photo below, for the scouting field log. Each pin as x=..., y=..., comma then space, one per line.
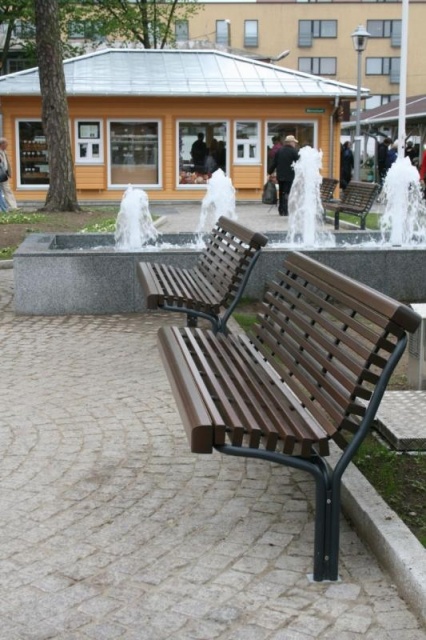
x=336, y=220
x=327, y=506
x=362, y=223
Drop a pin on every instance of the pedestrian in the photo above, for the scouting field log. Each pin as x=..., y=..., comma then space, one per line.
x=410, y=152
x=276, y=144
x=282, y=163
x=199, y=153
x=7, y=191
x=347, y=164
x=382, y=152
x=391, y=155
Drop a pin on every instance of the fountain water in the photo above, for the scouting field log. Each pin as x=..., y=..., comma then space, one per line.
x=134, y=226
x=218, y=201
x=404, y=220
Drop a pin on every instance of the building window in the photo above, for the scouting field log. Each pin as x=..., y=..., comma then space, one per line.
x=386, y=29
x=89, y=145
x=82, y=30
x=251, y=36
x=310, y=29
x=246, y=142
x=383, y=67
x=379, y=100
x=23, y=29
x=33, y=156
x=197, y=162
x=222, y=32
x=18, y=64
x=134, y=153
x=181, y=30
x=318, y=66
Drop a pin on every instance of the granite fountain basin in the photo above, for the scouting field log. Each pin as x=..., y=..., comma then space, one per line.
x=61, y=274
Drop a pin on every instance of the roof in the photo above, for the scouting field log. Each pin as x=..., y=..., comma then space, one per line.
x=388, y=114
x=170, y=72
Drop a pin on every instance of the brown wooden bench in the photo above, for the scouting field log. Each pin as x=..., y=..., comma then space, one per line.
x=217, y=282
x=357, y=200
x=313, y=369
x=327, y=188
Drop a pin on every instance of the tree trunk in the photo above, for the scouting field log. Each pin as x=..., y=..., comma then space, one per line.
x=62, y=195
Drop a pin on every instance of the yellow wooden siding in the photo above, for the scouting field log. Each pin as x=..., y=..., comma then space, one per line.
x=247, y=179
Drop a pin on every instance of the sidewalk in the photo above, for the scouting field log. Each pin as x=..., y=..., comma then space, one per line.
x=112, y=529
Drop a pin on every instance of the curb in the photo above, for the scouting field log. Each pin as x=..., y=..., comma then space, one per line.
x=395, y=547
x=6, y=264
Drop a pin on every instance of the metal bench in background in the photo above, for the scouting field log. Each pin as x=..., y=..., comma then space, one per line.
x=215, y=284
x=357, y=200
x=313, y=369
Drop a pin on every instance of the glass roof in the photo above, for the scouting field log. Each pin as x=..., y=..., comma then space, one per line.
x=172, y=72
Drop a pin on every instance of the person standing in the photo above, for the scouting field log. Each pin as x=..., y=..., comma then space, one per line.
x=382, y=152
x=199, y=153
x=347, y=165
x=283, y=162
x=7, y=191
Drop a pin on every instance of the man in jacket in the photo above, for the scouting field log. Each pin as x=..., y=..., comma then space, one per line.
x=283, y=164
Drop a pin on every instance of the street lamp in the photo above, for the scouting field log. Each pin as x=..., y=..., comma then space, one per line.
x=359, y=38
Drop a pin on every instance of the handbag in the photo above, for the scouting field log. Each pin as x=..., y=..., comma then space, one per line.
x=3, y=174
x=269, y=195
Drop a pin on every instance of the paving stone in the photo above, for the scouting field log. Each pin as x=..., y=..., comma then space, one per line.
x=111, y=529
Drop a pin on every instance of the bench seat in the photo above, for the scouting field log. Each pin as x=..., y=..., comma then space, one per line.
x=215, y=284
x=313, y=369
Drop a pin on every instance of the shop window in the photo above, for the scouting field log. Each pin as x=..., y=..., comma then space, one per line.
x=89, y=145
x=33, y=156
x=198, y=161
x=304, y=132
x=246, y=143
x=134, y=153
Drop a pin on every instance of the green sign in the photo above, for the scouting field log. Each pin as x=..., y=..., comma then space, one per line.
x=314, y=110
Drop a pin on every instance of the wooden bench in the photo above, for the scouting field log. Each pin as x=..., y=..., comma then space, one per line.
x=327, y=188
x=313, y=369
x=217, y=282
x=357, y=200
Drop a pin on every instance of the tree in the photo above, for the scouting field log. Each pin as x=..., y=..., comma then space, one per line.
x=62, y=195
x=10, y=14
x=148, y=22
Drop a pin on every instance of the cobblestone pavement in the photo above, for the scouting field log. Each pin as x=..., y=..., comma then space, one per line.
x=110, y=528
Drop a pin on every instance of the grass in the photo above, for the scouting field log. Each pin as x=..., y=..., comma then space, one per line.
x=372, y=221
x=400, y=478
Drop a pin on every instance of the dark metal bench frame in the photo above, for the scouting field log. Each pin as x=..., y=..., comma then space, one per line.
x=327, y=188
x=217, y=281
x=357, y=200
x=314, y=368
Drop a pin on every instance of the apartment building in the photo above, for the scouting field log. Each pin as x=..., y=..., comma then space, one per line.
x=315, y=37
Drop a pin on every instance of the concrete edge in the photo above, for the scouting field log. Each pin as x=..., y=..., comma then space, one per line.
x=6, y=264
x=396, y=548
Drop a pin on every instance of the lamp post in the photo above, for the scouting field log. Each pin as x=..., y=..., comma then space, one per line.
x=359, y=38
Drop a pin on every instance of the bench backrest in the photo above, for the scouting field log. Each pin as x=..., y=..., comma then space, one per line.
x=360, y=194
x=229, y=251
x=329, y=338
x=327, y=188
